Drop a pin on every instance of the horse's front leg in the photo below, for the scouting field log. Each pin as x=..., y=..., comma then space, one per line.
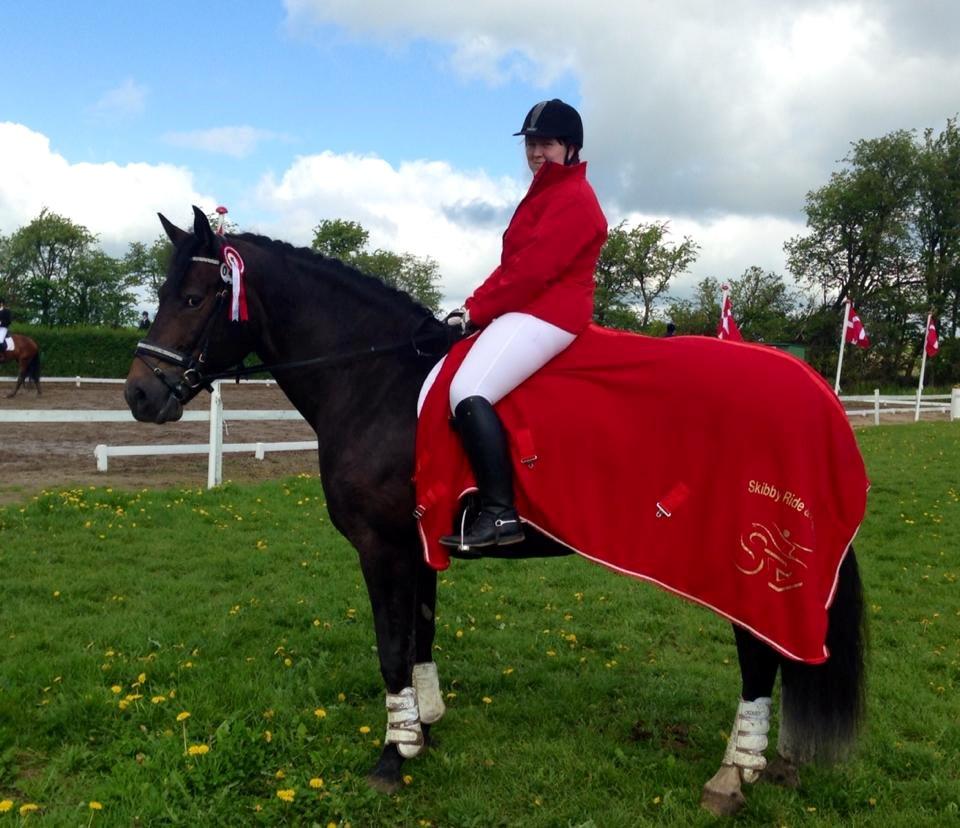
x=426, y=680
x=390, y=572
x=16, y=387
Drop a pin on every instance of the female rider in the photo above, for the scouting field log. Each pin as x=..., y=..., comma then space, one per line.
x=528, y=310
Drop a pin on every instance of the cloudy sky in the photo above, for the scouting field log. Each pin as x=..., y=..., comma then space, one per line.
x=716, y=117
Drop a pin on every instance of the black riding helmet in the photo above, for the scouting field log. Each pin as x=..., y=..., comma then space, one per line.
x=554, y=119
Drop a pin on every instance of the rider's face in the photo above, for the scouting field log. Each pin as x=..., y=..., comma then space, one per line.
x=540, y=150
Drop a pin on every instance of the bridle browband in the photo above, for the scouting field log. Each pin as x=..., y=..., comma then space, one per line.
x=193, y=376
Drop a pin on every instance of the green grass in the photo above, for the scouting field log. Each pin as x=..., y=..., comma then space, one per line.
x=576, y=697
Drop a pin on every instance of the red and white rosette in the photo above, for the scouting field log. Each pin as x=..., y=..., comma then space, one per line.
x=238, y=301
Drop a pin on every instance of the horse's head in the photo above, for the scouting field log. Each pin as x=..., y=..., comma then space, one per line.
x=191, y=336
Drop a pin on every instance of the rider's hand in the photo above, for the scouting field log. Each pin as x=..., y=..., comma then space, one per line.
x=458, y=318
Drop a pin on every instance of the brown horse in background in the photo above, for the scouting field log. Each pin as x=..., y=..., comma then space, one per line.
x=26, y=353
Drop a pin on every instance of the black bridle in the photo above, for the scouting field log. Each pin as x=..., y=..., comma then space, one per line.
x=194, y=377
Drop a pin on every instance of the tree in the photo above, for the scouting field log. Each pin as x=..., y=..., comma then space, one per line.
x=938, y=222
x=339, y=239
x=859, y=222
x=146, y=267
x=699, y=314
x=347, y=241
x=765, y=307
x=40, y=259
x=635, y=269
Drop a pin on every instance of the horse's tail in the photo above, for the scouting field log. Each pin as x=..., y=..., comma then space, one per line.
x=33, y=368
x=822, y=706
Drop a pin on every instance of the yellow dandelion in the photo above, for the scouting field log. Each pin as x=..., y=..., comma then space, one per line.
x=158, y=699
x=56, y=593
x=407, y=779
x=123, y=704
x=342, y=697
x=487, y=700
x=95, y=806
x=286, y=794
x=6, y=805
x=267, y=736
x=183, y=716
x=320, y=713
x=142, y=678
x=28, y=808
x=364, y=729
x=288, y=662
x=281, y=774
x=198, y=750
x=116, y=689
x=316, y=782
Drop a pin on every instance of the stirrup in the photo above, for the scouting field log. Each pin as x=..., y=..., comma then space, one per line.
x=488, y=529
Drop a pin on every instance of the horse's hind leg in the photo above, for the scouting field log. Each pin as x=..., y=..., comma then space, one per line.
x=744, y=760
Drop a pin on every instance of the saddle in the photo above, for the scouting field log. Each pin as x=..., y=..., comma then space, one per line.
x=726, y=473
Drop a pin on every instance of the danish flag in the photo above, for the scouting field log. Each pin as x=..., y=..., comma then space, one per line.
x=932, y=341
x=728, y=329
x=855, y=332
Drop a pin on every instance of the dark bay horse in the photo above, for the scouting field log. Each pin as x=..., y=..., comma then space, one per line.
x=26, y=353
x=349, y=352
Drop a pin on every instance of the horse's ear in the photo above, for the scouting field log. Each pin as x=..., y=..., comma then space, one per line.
x=174, y=233
x=201, y=226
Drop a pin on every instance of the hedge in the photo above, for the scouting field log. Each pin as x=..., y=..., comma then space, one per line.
x=80, y=352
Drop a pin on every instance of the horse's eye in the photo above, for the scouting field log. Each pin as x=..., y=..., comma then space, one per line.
x=194, y=301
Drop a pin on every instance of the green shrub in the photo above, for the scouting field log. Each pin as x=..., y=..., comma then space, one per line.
x=84, y=352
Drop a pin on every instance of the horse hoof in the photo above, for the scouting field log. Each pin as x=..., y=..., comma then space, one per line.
x=383, y=785
x=721, y=803
x=721, y=794
x=782, y=772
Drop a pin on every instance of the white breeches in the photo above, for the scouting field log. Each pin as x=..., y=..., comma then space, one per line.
x=510, y=349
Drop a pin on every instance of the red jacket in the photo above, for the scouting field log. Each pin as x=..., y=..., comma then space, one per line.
x=550, y=251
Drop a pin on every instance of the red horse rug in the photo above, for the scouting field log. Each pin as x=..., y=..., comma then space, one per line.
x=724, y=472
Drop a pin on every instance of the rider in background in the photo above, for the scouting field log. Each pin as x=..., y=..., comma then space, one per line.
x=5, y=320
x=528, y=310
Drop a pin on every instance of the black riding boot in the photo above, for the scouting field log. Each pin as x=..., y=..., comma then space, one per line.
x=485, y=442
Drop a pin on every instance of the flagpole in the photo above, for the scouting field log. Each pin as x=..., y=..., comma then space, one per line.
x=843, y=338
x=724, y=290
x=923, y=366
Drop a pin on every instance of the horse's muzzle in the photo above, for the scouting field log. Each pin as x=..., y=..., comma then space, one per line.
x=153, y=404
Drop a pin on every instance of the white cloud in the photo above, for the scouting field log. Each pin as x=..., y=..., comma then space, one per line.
x=234, y=141
x=426, y=208
x=697, y=106
x=422, y=207
x=127, y=99
x=119, y=203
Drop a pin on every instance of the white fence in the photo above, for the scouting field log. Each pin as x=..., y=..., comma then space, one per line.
x=863, y=406
x=214, y=449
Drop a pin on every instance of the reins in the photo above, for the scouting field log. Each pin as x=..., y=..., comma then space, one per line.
x=331, y=359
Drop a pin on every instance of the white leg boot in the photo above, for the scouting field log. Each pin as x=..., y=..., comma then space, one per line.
x=743, y=760
x=403, y=723
x=426, y=681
